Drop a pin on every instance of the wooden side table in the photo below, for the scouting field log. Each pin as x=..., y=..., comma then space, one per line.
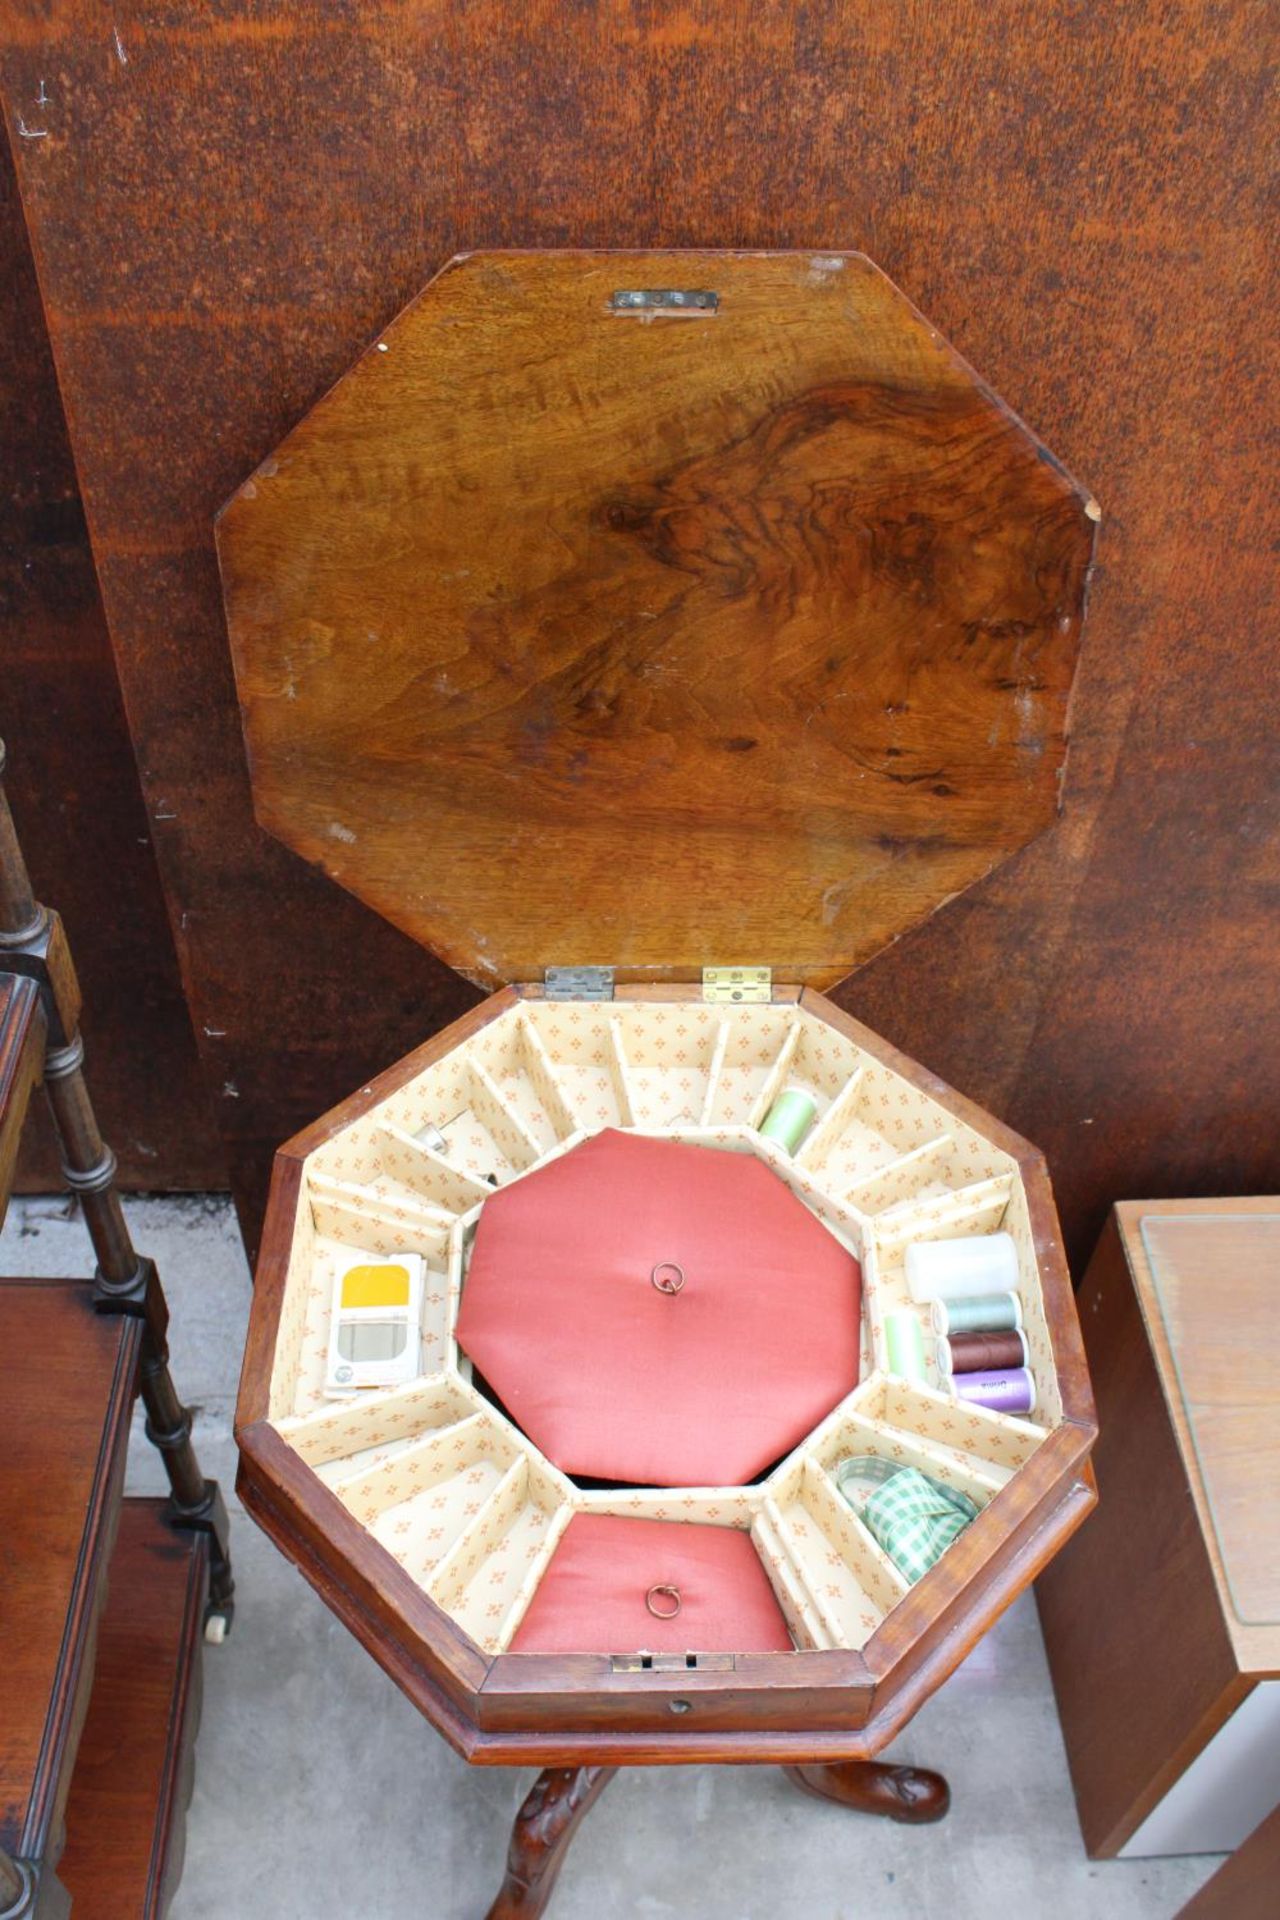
x=99, y=1691
x=1162, y=1618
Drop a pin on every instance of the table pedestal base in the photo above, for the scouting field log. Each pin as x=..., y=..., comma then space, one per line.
x=561, y=1798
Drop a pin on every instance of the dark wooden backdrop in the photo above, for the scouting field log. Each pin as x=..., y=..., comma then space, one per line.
x=226, y=202
x=72, y=781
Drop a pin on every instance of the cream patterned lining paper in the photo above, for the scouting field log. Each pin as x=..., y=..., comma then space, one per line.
x=453, y=1491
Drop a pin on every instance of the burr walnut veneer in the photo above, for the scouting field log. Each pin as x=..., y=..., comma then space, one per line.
x=638, y=615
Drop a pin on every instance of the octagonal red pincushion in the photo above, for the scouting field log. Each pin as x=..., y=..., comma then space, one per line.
x=658, y=1313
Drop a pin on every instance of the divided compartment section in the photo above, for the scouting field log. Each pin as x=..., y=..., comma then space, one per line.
x=421, y=1503
x=419, y=1169
x=884, y=1146
x=581, y=1042
x=817, y=1059
x=348, y=1437
x=967, y=1448
x=668, y=1051
x=752, y=1044
x=457, y=1112
x=702, y=1506
x=990, y=1206
x=489, y=1575
x=332, y=1226
x=839, y=1583
x=872, y=1127
x=804, y=1623
x=511, y=1053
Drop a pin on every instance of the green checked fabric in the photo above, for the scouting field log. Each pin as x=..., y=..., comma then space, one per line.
x=915, y=1519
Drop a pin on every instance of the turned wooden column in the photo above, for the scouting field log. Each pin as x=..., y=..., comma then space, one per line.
x=32, y=943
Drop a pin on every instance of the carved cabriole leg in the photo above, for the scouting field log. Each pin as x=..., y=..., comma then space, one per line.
x=553, y=1810
x=912, y=1794
x=32, y=942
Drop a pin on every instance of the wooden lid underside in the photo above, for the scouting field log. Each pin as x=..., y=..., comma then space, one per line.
x=575, y=633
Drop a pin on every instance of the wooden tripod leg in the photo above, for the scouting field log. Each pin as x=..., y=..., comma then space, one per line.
x=553, y=1810
x=912, y=1794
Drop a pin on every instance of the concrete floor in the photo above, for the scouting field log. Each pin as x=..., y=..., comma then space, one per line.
x=320, y=1791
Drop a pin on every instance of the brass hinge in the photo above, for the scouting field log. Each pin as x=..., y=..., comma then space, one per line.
x=737, y=983
x=579, y=983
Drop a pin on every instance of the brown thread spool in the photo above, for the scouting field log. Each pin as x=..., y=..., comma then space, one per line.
x=981, y=1352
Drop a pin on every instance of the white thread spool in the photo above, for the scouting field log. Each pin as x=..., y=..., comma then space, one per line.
x=958, y=1269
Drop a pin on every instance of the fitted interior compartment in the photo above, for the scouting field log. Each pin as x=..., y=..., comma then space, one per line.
x=514, y=1059
x=580, y=1040
x=419, y=1169
x=717, y=1506
x=874, y=1123
x=843, y=1583
x=993, y=1206
x=668, y=1050
x=816, y=1059
x=885, y=1146
x=488, y=1576
x=966, y=1447
x=330, y=1230
x=749, y=1045
x=456, y=1494
x=456, y=1110
x=808, y=1632
x=347, y=1437
x=420, y=1502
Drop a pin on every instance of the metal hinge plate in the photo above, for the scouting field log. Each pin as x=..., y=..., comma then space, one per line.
x=737, y=983
x=664, y=300
x=579, y=983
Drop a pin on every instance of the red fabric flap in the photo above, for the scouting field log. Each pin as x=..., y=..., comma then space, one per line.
x=591, y=1598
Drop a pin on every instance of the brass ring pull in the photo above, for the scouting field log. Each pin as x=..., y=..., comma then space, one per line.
x=663, y=1613
x=667, y=1276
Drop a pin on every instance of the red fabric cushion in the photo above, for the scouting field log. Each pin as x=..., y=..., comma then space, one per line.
x=591, y=1598
x=616, y=1380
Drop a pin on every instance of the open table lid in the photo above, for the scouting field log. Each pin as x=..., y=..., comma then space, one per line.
x=581, y=624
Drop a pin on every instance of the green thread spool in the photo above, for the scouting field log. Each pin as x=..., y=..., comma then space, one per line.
x=790, y=1118
x=983, y=1313
x=904, y=1338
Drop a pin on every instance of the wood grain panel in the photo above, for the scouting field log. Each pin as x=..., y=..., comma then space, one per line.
x=772, y=596
x=1080, y=201
x=135, y=1766
x=57, y=1515
x=72, y=780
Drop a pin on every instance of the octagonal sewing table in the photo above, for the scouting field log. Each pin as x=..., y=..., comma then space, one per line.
x=655, y=637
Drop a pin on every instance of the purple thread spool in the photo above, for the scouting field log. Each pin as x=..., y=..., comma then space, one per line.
x=1013, y=1392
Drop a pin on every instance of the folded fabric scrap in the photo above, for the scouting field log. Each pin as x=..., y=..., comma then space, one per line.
x=915, y=1519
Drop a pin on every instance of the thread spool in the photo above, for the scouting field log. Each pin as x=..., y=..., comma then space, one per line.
x=961, y=1269
x=981, y=1353
x=984, y=1313
x=790, y=1118
x=1013, y=1392
x=904, y=1341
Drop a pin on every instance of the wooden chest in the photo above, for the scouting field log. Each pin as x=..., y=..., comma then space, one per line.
x=655, y=637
